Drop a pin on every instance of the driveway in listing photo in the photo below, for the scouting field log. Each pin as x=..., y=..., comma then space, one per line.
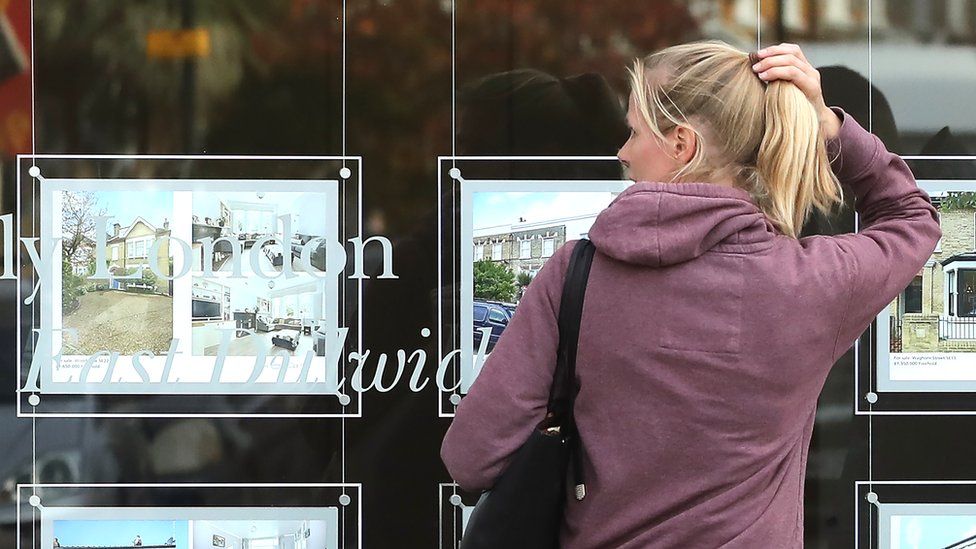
x=120, y=321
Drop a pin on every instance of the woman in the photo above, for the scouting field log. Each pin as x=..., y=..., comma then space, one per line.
x=708, y=327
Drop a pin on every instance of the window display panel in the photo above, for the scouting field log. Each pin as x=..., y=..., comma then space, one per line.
x=282, y=516
x=910, y=514
x=190, y=286
x=455, y=510
x=506, y=230
x=923, y=341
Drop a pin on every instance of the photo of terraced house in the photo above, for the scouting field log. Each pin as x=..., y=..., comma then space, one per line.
x=514, y=234
x=126, y=311
x=937, y=311
x=129, y=248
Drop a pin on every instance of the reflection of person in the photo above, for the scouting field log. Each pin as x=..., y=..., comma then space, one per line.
x=137, y=542
x=694, y=406
x=514, y=113
x=57, y=543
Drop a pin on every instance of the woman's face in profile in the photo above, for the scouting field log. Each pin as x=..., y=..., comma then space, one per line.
x=644, y=156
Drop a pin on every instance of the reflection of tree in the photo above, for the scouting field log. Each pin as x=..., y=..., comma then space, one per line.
x=399, y=89
x=100, y=90
x=272, y=83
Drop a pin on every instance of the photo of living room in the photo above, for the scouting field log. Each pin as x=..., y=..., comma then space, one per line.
x=264, y=534
x=131, y=308
x=283, y=314
x=250, y=218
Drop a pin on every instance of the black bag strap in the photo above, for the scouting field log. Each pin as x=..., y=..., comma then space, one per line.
x=563, y=393
x=563, y=390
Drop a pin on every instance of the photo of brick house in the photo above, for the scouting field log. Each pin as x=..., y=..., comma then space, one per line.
x=522, y=247
x=513, y=236
x=937, y=311
x=128, y=248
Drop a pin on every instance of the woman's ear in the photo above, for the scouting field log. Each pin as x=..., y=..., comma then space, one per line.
x=684, y=141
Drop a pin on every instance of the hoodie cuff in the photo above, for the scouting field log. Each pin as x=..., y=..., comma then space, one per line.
x=853, y=150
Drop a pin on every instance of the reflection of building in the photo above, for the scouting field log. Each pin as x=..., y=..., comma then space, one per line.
x=820, y=19
x=129, y=247
x=937, y=311
x=525, y=246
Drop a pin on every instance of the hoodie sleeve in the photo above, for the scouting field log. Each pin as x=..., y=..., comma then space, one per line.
x=898, y=226
x=509, y=397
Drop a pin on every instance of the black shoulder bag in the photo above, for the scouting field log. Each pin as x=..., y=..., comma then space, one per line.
x=524, y=509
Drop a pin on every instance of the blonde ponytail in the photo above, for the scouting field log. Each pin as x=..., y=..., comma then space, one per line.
x=767, y=137
x=792, y=161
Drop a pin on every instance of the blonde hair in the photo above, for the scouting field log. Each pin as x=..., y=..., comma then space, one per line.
x=767, y=135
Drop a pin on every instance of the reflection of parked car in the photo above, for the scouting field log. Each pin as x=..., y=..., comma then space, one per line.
x=494, y=315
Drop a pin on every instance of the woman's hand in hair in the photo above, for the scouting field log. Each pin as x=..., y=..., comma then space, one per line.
x=786, y=62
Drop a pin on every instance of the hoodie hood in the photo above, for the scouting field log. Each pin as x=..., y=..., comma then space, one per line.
x=658, y=224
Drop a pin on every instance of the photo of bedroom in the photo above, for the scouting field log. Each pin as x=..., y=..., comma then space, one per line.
x=264, y=534
x=282, y=313
x=250, y=219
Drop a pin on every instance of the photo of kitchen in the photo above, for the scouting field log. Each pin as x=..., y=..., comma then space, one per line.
x=250, y=219
x=283, y=314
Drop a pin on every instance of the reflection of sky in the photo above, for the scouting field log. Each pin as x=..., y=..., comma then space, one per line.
x=918, y=532
x=87, y=533
x=501, y=208
x=153, y=206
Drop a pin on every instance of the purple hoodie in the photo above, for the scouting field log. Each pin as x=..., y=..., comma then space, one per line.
x=706, y=338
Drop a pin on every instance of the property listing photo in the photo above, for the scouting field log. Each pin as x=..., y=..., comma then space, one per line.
x=129, y=307
x=195, y=534
x=934, y=525
x=250, y=221
x=514, y=233
x=121, y=534
x=258, y=314
x=927, y=334
x=264, y=534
